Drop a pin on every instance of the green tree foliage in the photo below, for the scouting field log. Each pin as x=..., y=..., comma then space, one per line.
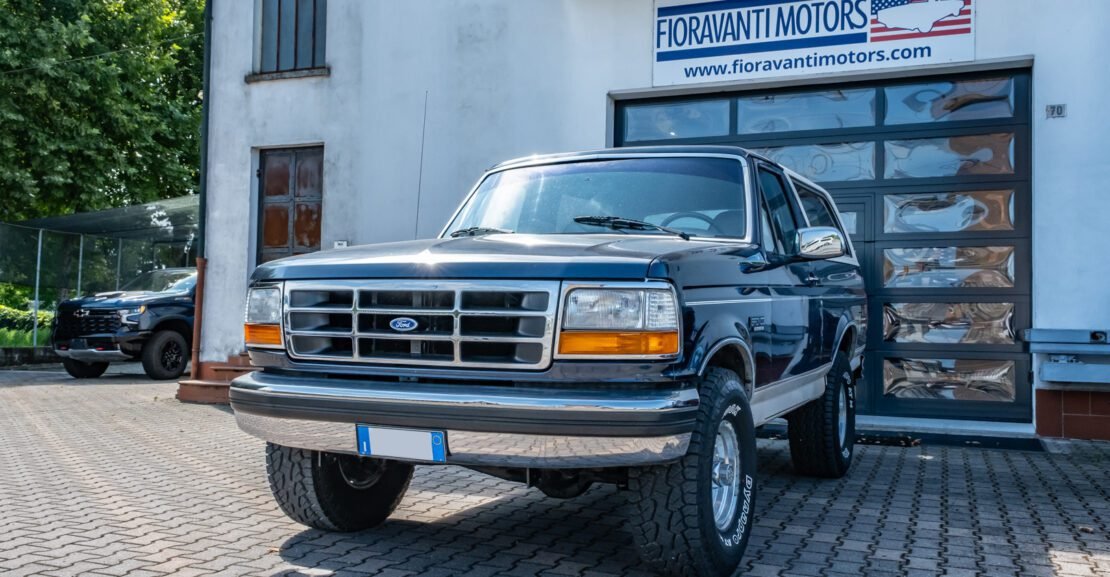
x=99, y=103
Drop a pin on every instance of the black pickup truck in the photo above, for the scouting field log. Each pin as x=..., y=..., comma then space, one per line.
x=150, y=319
x=623, y=316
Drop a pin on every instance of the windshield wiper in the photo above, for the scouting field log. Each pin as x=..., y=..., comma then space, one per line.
x=618, y=223
x=479, y=230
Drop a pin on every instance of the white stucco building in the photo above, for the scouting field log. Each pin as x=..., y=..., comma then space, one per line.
x=966, y=144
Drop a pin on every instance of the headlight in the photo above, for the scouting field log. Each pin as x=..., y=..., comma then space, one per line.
x=604, y=309
x=131, y=316
x=620, y=322
x=263, y=325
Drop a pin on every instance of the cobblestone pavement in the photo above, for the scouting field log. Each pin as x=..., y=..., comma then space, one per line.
x=115, y=477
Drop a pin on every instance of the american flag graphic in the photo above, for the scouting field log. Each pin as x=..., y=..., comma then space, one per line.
x=910, y=19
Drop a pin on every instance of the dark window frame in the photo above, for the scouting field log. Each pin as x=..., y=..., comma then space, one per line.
x=281, y=54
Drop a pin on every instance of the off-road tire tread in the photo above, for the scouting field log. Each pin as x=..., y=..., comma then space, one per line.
x=303, y=493
x=290, y=473
x=83, y=370
x=152, y=353
x=675, y=547
x=812, y=430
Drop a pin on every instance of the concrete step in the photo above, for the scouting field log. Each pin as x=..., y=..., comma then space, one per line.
x=196, y=391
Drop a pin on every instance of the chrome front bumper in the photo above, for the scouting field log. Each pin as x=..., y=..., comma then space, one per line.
x=483, y=449
x=485, y=425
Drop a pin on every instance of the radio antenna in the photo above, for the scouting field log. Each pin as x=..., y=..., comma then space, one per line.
x=420, y=175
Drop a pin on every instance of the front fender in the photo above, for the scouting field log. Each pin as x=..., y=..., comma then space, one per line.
x=717, y=328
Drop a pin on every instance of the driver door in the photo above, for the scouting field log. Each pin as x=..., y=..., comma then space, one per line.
x=796, y=306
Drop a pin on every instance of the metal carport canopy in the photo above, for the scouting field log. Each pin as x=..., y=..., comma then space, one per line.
x=173, y=220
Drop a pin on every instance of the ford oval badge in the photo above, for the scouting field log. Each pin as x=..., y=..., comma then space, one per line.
x=402, y=324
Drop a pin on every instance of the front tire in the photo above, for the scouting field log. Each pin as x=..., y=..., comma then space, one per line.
x=82, y=370
x=165, y=355
x=334, y=492
x=694, y=517
x=823, y=432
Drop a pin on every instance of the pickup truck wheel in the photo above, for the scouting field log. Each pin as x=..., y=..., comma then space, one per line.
x=823, y=432
x=694, y=517
x=165, y=355
x=335, y=492
x=81, y=370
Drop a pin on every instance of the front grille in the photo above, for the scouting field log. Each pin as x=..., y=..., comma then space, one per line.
x=481, y=324
x=97, y=321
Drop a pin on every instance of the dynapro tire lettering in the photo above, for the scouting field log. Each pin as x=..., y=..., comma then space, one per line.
x=850, y=394
x=732, y=410
x=742, y=519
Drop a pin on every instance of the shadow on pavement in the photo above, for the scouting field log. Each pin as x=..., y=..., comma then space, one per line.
x=55, y=374
x=521, y=532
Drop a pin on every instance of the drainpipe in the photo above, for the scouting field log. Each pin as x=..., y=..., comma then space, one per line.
x=202, y=262
x=38, y=275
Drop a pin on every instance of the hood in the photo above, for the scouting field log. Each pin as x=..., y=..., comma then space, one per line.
x=119, y=300
x=518, y=256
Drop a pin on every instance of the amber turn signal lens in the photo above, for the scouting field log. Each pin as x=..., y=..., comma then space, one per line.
x=618, y=343
x=262, y=335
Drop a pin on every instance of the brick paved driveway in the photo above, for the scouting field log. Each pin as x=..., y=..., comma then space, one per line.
x=114, y=477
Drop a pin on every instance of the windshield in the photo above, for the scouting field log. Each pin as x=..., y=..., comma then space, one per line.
x=170, y=281
x=700, y=196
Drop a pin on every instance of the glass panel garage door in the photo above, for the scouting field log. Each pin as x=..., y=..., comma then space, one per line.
x=932, y=178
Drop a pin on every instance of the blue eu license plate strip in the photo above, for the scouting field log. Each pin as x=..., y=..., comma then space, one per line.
x=407, y=444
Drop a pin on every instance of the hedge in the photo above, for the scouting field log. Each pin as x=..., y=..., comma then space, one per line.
x=18, y=320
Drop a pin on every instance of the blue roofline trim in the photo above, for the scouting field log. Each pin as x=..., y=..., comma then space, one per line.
x=773, y=46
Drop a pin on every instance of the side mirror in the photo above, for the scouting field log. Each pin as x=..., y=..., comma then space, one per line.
x=820, y=242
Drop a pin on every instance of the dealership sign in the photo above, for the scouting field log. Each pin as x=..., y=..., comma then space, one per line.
x=741, y=39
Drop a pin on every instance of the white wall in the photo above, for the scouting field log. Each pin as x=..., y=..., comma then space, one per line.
x=503, y=78
x=1070, y=166
x=507, y=78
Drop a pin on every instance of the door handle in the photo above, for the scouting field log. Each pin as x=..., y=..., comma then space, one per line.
x=813, y=280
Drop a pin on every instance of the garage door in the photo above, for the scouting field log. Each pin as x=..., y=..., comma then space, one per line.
x=932, y=176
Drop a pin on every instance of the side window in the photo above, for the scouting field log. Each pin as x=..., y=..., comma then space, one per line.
x=816, y=208
x=778, y=207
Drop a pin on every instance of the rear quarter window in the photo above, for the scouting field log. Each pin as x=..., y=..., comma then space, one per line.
x=818, y=210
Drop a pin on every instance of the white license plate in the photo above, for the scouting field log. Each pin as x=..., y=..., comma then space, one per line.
x=401, y=443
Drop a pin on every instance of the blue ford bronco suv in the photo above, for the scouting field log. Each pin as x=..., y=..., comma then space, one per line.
x=625, y=316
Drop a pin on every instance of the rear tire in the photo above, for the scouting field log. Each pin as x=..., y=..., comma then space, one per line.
x=82, y=370
x=694, y=517
x=165, y=355
x=334, y=492
x=823, y=432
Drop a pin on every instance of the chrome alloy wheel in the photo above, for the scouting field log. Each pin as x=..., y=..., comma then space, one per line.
x=842, y=416
x=726, y=475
